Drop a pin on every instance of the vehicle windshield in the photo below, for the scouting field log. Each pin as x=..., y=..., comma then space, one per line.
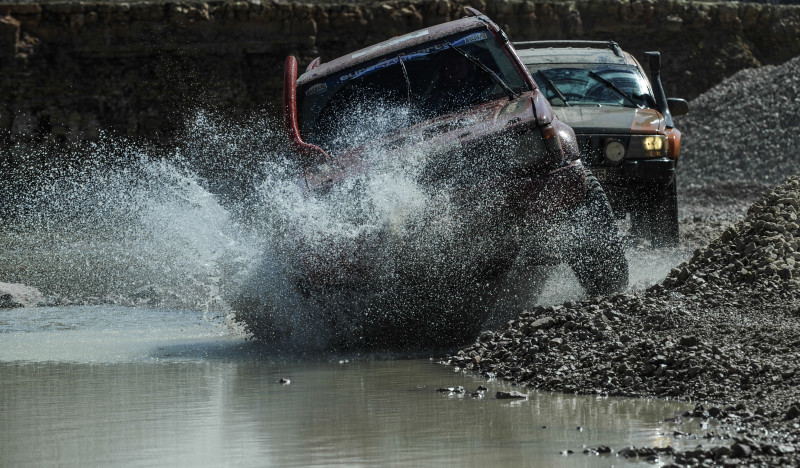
x=430, y=80
x=610, y=86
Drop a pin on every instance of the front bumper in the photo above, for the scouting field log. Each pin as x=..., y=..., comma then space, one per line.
x=636, y=181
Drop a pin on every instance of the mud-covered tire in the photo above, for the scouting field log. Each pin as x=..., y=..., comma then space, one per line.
x=596, y=255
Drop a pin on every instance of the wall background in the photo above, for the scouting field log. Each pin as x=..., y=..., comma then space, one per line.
x=69, y=70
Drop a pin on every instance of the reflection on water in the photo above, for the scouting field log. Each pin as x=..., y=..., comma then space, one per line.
x=170, y=388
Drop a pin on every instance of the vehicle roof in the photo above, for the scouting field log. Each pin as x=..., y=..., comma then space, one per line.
x=397, y=43
x=573, y=52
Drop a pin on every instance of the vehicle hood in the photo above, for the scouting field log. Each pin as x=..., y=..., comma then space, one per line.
x=604, y=119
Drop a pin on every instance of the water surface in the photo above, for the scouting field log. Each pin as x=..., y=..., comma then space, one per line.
x=104, y=386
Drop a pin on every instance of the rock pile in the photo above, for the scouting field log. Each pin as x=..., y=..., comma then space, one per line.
x=744, y=130
x=722, y=328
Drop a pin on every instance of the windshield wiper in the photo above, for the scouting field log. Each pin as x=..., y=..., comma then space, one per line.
x=405, y=75
x=553, y=87
x=488, y=71
x=612, y=86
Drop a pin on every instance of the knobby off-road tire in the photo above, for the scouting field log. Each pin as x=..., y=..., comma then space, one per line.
x=595, y=254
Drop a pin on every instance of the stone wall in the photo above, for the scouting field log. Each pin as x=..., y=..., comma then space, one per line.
x=73, y=69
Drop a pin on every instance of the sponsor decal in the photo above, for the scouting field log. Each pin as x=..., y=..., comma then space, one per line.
x=316, y=89
x=481, y=36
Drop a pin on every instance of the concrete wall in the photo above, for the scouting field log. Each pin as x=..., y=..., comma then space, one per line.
x=72, y=69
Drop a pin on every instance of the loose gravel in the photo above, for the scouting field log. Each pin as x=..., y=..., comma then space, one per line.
x=740, y=138
x=723, y=328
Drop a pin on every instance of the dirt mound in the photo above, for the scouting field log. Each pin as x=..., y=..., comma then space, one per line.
x=723, y=327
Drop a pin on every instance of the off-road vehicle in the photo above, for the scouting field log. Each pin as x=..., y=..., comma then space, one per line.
x=623, y=122
x=503, y=192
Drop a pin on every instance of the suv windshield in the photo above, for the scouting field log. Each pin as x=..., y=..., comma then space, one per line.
x=609, y=86
x=432, y=79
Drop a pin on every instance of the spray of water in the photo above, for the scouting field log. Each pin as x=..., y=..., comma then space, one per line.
x=398, y=253
x=380, y=258
x=121, y=223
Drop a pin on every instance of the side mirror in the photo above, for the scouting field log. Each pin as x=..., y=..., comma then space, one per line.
x=678, y=106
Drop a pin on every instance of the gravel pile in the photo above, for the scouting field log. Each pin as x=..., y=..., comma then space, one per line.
x=723, y=328
x=740, y=138
x=744, y=130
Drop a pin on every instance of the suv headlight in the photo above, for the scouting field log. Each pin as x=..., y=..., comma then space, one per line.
x=649, y=146
x=614, y=150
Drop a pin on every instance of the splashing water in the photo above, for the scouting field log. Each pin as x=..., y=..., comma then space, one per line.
x=212, y=223
x=118, y=223
x=377, y=258
x=223, y=223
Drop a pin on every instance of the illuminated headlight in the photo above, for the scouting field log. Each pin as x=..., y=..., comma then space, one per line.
x=614, y=150
x=651, y=146
x=653, y=143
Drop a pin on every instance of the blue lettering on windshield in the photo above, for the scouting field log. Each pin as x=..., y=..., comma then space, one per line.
x=316, y=89
x=480, y=36
x=474, y=37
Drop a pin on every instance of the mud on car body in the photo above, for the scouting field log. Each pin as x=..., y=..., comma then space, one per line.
x=623, y=123
x=490, y=139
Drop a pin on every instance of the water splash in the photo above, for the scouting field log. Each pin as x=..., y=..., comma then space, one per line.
x=117, y=222
x=222, y=222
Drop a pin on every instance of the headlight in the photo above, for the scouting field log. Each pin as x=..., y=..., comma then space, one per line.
x=614, y=150
x=653, y=143
x=650, y=146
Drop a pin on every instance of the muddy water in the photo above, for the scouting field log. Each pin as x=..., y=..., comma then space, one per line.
x=102, y=386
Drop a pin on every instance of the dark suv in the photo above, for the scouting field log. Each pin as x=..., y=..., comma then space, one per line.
x=623, y=123
x=443, y=188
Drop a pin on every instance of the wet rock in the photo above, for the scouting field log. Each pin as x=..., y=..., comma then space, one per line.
x=721, y=452
x=542, y=323
x=8, y=302
x=455, y=390
x=689, y=341
x=512, y=395
x=739, y=450
x=14, y=295
x=628, y=452
x=792, y=413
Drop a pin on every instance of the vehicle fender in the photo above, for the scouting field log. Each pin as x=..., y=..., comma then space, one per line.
x=673, y=143
x=310, y=154
x=569, y=142
x=559, y=136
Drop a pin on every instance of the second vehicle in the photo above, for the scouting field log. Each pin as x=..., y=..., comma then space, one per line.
x=623, y=122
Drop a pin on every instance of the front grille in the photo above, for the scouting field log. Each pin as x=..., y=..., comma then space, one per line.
x=591, y=149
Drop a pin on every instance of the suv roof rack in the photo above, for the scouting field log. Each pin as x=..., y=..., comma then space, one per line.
x=571, y=43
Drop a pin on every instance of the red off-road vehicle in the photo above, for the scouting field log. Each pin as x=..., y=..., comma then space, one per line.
x=444, y=188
